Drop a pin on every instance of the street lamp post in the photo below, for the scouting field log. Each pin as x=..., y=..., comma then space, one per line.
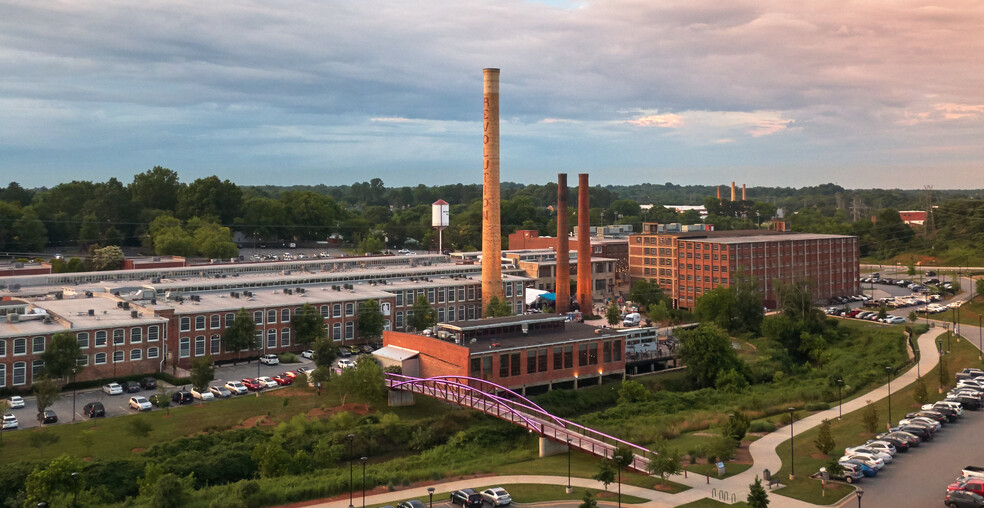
x=363, y=460
x=948, y=333
x=569, y=488
x=859, y=492
x=74, y=372
x=618, y=464
x=430, y=492
x=940, y=349
x=888, y=372
x=351, y=437
x=980, y=338
x=792, y=458
x=840, y=399
x=75, y=485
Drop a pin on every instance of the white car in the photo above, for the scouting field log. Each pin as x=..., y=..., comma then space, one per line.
x=269, y=359
x=140, y=403
x=304, y=370
x=16, y=402
x=268, y=382
x=346, y=363
x=236, y=387
x=496, y=496
x=932, y=424
x=309, y=354
x=9, y=422
x=955, y=406
x=113, y=389
x=872, y=462
x=882, y=446
x=202, y=395
x=869, y=452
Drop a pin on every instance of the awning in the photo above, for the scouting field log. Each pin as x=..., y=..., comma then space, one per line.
x=395, y=353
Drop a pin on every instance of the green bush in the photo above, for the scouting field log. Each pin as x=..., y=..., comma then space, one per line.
x=287, y=358
x=761, y=426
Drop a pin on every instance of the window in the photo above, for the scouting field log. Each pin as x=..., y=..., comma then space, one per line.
x=531, y=361
x=349, y=309
x=118, y=356
x=593, y=354
x=430, y=295
x=258, y=339
x=82, y=360
x=20, y=373
x=474, y=369
x=514, y=364
x=324, y=310
x=216, y=345
x=272, y=316
x=440, y=314
x=136, y=354
x=82, y=337
x=284, y=337
x=582, y=355
x=3, y=375
x=461, y=294
x=519, y=307
x=606, y=351
x=20, y=347
x=230, y=318
x=541, y=360
x=440, y=295
x=504, y=365
x=37, y=345
x=336, y=331
x=118, y=337
x=100, y=358
x=399, y=298
x=399, y=319
x=200, y=345
x=199, y=322
x=136, y=335
x=184, y=347
x=349, y=330
x=336, y=310
x=451, y=313
x=214, y=321
x=258, y=317
x=558, y=362
x=153, y=333
x=271, y=338
x=461, y=313
x=185, y=324
x=471, y=292
x=508, y=290
x=285, y=315
x=37, y=367
x=617, y=350
x=153, y=352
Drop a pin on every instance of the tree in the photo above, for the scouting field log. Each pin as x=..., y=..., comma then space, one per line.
x=371, y=245
x=156, y=188
x=41, y=438
x=612, y=314
x=588, y=501
x=658, y=313
x=29, y=233
x=321, y=377
x=606, y=473
x=912, y=316
x=626, y=453
x=632, y=391
x=139, y=427
x=737, y=426
x=51, y=481
x=370, y=320
x=202, y=372
x=824, y=441
x=497, y=308
x=882, y=312
x=665, y=463
x=757, y=496
x=308, y=325
x=108, y=258
x=706, y=351
x=869, y=417
x=46, y=392
x=4, y=407
x=210, y=197
x=423, y=315
x=919, y=393
x=165, y=490
x=645, y=293
x=242, y=334
x=325, y=352
x=212, y=240
x=365, y=380
x=62, y=355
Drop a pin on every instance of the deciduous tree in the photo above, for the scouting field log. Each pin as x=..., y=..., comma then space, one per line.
x=423, y=315
x=370, y=320
x=308, y=325
x=706, y=351
x=242, y=334
x=46, y=392
x=824, y=441
x=202, y=372
x=62, y=355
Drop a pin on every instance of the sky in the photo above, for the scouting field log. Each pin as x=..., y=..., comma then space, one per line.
x=873, y=93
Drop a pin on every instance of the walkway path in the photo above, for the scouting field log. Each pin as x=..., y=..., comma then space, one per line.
x=763, y=453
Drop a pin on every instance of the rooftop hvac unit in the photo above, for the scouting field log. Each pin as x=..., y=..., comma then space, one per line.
x=92, y=312
x=134, y=314
x=153, y=301
x=18, y=265
x=13, y=317
x=126, y=305
x=119, y=305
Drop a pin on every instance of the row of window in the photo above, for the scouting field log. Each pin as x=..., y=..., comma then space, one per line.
x=19, y=369
x=538, y=360
x=101, y=337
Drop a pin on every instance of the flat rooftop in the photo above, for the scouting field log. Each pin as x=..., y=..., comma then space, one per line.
x=571, y=332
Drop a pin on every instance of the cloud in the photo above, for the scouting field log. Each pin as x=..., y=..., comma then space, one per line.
x=666, y=120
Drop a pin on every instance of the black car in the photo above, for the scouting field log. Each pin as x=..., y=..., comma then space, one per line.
x=467, y=498
x=130, y=386
x=148, y=383
x=899, y=444
x=413, y=503
x=182, y=397
x=48, y=416
x=910, y=439
x=968, y=402
x=94, y=410
x=962, y=499
x=923, y=433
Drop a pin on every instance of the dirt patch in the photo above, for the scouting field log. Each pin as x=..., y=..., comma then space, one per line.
x=358, y=409
x=662, y=487
x=254, y=421
x=820, y=456
x=742, y=455
x=604, y=494
x=137, y=450
x=86, y=459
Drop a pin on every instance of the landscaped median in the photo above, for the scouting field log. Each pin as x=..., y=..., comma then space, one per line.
x=584, y=466
x=526, y=493
x=850, y=430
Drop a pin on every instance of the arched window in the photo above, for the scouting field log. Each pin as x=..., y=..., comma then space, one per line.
x=100, y=358
x=118, y=356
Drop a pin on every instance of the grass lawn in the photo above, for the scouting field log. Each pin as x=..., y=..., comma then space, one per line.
x=850, y=431
x=583, y=466
x=539, y=493
x=712, y=503
x=730, y=469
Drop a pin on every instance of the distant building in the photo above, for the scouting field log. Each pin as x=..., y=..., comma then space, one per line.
x=616, y=249
x=913, y=217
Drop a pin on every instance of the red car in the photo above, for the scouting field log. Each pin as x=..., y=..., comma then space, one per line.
x=291, y=374
x=252, y=384
x=283, y=379
x=973, y=485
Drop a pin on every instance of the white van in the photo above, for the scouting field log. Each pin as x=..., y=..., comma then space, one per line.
x=632, y=319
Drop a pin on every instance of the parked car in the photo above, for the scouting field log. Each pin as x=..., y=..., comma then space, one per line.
x=112, y=389
x=290, y=374
x=182, y=397
x=267, y=381
x=269, y=359
x=353, y=349
x=963, y=499
x=220, y=392
x=467, y=498
x=923, y=432
x=850, y=473
x=94, y=410
x=308, y=353
x=865, y=451
x=413, y=503
x=905, y=437
x=866, y=469
x=283, y=379
x=344, y=353
x=16, y=402
x=345, y=363
x=497, y=496
x=48, y=416
x=236, y=387
x=367, y=348
x=140, y=403
x=972, y=472
x=933, y=425
x=252, y=384
x=873, y=462
x=130, y=386
x=148, y=383
x=9, y=422
x=973, y=485
x=304, y=370
x=202, y=395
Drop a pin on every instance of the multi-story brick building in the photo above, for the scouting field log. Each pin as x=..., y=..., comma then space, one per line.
x=616, y=249
x=688, y=262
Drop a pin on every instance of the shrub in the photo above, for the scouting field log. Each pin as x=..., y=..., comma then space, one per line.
x=869, y=417
x=287, y=358
x=761, y=426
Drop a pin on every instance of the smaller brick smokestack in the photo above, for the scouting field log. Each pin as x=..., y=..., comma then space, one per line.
x=583, y=245
x=563, y=289
x=742, y=192
x=732, y=191
x=718, y=187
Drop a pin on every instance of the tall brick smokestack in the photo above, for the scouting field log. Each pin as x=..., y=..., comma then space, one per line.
x=719, y=191
x=563, y=289
x=743, y=192
x=491, y=229
x=732, y=191
x=583, y=245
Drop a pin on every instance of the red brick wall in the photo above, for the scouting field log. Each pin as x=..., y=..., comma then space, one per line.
x=437, y=357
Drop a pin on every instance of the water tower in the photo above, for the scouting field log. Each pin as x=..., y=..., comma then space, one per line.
x=440, y=216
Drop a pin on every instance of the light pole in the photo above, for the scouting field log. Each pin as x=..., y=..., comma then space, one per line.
x=948, y=340
x=840, y=399
x=75, y=484
x=980, y=338
x=430, y=492
x=363, y=460
x=618, y=464
x=888, y=372
x=792, y=459
x=74, y=371
x=569, y=488
x=940, y=349
x=859, y=492
x=351, y=437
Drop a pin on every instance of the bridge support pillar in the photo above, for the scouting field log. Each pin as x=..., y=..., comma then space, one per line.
x=400, y=398
x=548, y=447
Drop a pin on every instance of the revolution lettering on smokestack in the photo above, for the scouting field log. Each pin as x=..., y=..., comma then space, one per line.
x=491, y=229
x=563, y=279
x=583, y=246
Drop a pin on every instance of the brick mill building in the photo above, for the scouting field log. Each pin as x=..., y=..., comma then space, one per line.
x=690, y=261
